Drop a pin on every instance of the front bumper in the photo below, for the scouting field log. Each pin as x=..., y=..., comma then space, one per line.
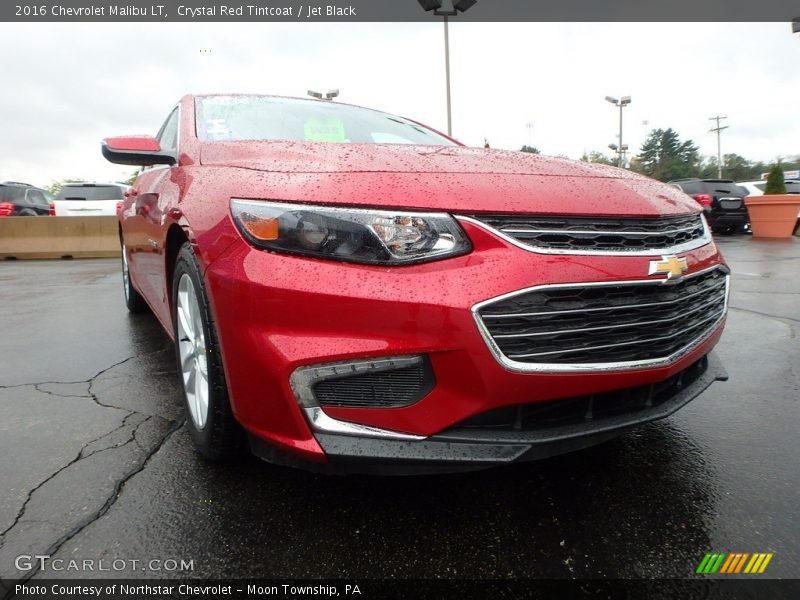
x=277, y=313
x=466, y=449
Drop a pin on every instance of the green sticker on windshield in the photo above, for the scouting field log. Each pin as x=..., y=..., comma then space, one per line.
x=329, y=130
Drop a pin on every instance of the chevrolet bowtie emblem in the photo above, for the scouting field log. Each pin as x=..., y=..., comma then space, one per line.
x=673, y=266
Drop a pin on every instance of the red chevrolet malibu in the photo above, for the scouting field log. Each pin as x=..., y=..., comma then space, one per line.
x=352, y=291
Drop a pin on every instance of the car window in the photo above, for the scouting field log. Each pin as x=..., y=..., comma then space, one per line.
x=11, y=193
x=90, y=192
x=168, y=134
x=716, y=188
x=37, y=197
x=690, y=187
x=270, y=118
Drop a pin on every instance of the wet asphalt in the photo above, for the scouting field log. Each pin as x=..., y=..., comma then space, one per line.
x=95, y=462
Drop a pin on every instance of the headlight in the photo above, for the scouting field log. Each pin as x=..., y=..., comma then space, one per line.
x=355, y=235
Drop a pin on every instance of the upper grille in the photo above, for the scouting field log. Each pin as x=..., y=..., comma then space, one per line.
x=580, y=234
x=594, y=324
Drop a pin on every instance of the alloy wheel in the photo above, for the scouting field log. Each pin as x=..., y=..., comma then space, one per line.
x=125, y=274
x=192, y=351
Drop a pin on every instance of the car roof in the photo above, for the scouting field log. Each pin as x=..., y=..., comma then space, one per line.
x=92, y=184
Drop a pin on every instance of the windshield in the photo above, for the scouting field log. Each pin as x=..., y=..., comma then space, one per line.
x=271, y=118
x=90, y=192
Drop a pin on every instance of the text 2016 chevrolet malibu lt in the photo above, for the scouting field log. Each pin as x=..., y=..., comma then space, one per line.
x=351, y=291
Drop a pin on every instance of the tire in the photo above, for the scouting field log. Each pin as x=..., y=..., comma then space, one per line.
x=27, y=212
x=210, y=419
x=133, y=299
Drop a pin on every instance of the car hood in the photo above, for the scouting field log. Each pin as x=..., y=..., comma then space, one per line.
x=452, y=178
x=316, y=157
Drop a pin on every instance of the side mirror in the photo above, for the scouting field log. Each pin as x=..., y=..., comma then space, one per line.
x=139, y=150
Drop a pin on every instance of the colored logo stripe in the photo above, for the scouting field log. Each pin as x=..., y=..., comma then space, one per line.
x=758, y=563
x=711, y=563
x=734, y=562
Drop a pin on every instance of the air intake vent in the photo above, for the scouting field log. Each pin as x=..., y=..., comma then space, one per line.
x=377, y=389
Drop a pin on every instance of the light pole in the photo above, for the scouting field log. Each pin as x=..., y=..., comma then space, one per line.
x=718, y=130
x=622, y=103
x=621, y=150
x=328, y=96
x=436, y=7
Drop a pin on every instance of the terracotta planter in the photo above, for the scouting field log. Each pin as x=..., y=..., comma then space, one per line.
x=773, y=216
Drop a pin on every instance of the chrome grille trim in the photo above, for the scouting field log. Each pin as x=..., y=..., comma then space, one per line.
x=704, y=239
x=592, y=232
x=585, y=310
x=511, y=364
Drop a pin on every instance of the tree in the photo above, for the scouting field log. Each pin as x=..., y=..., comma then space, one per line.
x=598, y=157
x=55, y=186
x=530, y=149
x=738, y=168
x=775, y=180
x=132, y=178
x=664, y=156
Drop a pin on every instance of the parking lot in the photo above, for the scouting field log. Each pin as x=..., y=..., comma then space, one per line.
x=98, y=464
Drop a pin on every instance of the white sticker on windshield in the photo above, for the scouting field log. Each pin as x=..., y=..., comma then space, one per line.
x=216, y=129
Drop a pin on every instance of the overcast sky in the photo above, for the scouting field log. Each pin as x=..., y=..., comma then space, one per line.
x=66, y=86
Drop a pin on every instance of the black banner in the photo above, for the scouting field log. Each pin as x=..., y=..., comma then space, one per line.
x=395, y=10
x=367, y=589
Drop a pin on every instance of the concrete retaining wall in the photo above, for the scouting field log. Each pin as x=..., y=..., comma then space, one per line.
x=59, y=237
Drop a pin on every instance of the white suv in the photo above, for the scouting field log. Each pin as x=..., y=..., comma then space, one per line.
x=756, y=188
x=88, y=199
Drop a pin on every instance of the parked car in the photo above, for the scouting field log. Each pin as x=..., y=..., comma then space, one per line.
x=27, y=200
x=352, y=291
x=756, y=188
x=88, y=199
x=722, y=201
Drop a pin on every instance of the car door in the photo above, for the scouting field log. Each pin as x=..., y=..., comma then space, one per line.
x=150, y=196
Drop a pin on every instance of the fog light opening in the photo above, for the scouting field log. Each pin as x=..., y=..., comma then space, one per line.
x=391, y=382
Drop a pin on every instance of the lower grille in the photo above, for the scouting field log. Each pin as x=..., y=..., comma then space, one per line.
x=591, y=325
x=377, y=389
x=583, y=409
x=618, y=235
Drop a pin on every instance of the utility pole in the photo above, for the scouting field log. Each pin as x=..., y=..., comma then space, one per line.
x=718, y=129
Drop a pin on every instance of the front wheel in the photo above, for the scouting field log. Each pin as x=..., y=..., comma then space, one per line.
x=133, y=299
x=211, y=422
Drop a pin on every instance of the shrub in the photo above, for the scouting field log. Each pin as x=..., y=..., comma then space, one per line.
x=775, y=181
